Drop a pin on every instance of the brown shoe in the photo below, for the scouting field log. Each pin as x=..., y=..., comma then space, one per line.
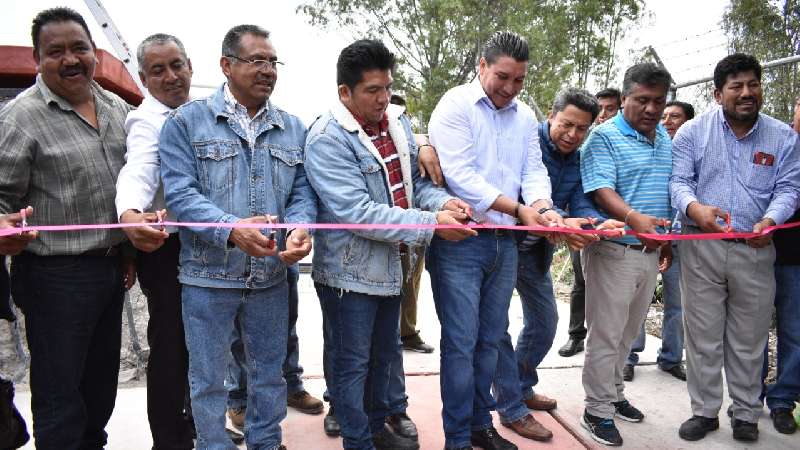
x=237, y=417
x=530, y=428
x=540, y=402
x=305, y=403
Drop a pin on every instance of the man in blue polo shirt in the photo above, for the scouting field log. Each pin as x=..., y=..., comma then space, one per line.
x=626, y=163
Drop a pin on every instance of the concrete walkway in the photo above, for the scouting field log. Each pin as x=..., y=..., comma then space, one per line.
x=662, y=398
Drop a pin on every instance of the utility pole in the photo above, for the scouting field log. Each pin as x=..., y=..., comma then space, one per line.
x=121, y=48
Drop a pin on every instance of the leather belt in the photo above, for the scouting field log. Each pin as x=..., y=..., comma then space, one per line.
x=497, y=232
x=103, y=252
x=637, y=247
x=736, y=240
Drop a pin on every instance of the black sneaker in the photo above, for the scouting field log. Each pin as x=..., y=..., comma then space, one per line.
x=696, y=428
x=602, y=430
x=387, y=440
x=489, y=439
x=744, y=431
x=627, y=412
x=783, y=421
x=627, y=372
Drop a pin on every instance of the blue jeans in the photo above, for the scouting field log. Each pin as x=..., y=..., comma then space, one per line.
x=472, y=282
x=73, y=319
x=209, y=318
x=365, y=332
x=671, y=352
x=516, y=370
x=786, y=390
x=236, y=380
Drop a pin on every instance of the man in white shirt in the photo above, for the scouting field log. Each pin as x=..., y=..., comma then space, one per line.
x=166, y=72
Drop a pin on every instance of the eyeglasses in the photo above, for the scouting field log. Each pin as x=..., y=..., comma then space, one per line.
x=259, y=64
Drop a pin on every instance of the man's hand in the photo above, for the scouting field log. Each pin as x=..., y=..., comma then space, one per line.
x=298, y=246
x=579, y=241
x=459, y=206
x=128, y=272
x=705, y=216
x=453, y=218
x=144, y=238
x=643, y=223
x=665, y=257
x=14, y=244
x=763, y=240
x=428, y=161
x=251, y=240
x=613, y=225
x=529, y=215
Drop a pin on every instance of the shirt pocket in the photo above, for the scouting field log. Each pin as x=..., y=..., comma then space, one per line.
x=760, y=177
x=285, y=159
x=372, y=172
x=217, y=164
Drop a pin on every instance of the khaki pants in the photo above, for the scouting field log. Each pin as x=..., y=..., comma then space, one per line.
x=619, y=288
x=728, y=293
x=410, y=292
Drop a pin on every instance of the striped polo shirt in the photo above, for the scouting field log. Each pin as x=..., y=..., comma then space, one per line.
x=618, y=157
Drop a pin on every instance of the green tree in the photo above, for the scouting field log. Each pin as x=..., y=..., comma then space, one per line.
x=438, y=42
x=768, y=30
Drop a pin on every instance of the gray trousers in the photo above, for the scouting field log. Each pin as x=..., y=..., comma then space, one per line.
x=728, y=292
x=619, y=288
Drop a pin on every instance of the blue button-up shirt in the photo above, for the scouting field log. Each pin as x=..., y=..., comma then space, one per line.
x=486, y=152
x=714, y=167
x=618, y=157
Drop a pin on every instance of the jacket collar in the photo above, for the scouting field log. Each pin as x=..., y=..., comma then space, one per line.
x=345, y=118
x=217, y=105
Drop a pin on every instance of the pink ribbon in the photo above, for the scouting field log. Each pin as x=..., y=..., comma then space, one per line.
x=392, y=226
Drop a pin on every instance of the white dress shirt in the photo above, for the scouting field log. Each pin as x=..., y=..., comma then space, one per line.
x=139, y=183
x=485, y=152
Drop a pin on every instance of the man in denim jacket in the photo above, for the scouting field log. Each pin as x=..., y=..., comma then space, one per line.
x=236, y=157
x=362, y=164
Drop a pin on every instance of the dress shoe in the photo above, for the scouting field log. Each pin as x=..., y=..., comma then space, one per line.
x=783, y=421
x=744, y=431
x=387, y=440
x=237, y=417
x=677, y=371
x=414, y=343
x=540, y=402
x=488, y=439
x=572, y=347
x=696, y=427
x=530, y=428
x=402, y=425
x=305, y=403
x=330, y=424
x=627, y=372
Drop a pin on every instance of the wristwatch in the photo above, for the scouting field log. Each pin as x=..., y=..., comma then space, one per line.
x=544, y=210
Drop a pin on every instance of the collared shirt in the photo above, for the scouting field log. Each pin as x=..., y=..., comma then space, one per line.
x=240, y=114
x=618, y=157
x=54, y=160
x=751, y=177
x=486, y=152
x=139, y=183
x=379, y=135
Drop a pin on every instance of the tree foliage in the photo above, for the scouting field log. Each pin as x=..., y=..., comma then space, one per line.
x=438, y=42
x=769, y=30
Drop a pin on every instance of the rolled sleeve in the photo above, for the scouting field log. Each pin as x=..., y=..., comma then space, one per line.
x=535, y=181
x=785, y=198
x=140, y=177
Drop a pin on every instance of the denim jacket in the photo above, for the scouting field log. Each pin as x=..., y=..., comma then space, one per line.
x=211, y=174
x=352, y=183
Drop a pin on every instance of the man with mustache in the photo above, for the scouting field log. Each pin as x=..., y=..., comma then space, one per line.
x=236, y=157
x=733, y=168
x=62, y=144
x=166, y=72
x=625, y=163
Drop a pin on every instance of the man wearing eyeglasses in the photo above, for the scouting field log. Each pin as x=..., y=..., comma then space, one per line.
x=237, y=158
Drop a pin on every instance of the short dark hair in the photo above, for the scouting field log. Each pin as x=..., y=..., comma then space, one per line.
x=688, y=109
x=231, y=44
x=397, y=100
x=157, y=39
x=646, y=74
x=359, y=57
x=505, y=43
x=59, y=14
x=610, y=92
x=733, y=64
x=578, y=98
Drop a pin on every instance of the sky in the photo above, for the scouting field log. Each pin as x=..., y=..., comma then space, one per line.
x=685, y=33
